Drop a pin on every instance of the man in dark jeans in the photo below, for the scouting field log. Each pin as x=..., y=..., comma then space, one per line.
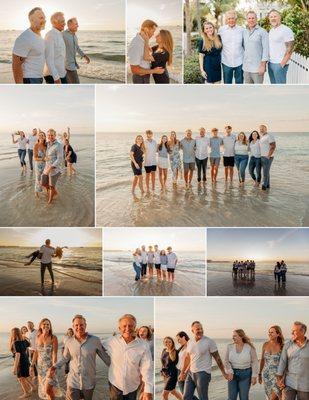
x=201, y=154
x=47, y=252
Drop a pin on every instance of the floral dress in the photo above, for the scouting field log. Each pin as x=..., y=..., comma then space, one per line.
x=44, y=362
x=39, y=168
x=175, y=160
x=269, y=373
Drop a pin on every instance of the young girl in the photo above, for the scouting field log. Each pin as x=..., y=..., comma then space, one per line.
x=18, y=346
x=70, y=157
x=163, y=151
x=163, y=258
x=137, y=258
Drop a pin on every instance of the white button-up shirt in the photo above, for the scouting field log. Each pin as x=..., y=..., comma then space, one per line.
x=54, y=54
x=136, y=52
x=232, y=45
x=129, y=363
x=32, y=139
x=201, y=150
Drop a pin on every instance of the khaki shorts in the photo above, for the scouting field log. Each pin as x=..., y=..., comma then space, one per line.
x=50, y=180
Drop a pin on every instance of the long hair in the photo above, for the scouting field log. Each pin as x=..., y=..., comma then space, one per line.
x=209, y=43
x=59, y=252
x=165, y=144
x=244, y=337
x=251, y=136
x=149, y=333
x=280, y=338
x=244, y=141
x=15, y=336
x=173, y=141
x=40, y=330
x=167, y=44
x=172, y=352
x=142, y=146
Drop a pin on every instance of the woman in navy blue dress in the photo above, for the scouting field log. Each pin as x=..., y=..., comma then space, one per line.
x=209, y=48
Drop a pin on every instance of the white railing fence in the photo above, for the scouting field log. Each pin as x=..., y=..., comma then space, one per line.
x=298, y=70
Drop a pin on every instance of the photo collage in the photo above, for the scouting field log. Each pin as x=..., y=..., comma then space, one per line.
x=154, y=214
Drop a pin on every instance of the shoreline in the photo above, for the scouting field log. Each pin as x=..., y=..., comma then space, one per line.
x=222, y=284
x=67, y=283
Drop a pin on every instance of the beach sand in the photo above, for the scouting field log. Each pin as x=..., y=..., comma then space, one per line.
x=222, y=284
x=10, y=388
x=25, y=281
x=6, y=76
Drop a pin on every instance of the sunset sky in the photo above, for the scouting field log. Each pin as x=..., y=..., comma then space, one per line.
x=134, y=108
x=258, y=244
x=91, y=14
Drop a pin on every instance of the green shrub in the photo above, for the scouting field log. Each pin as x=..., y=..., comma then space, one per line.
x=192, y=73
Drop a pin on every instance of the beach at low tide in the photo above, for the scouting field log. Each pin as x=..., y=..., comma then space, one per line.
x=78, y=273
x=119, y=277
x=285, y=204
x=74, y=205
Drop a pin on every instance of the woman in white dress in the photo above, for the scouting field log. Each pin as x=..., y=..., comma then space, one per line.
x=163, y=152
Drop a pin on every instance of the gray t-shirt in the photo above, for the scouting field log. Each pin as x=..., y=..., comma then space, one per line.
x=188, y=148
x=215, y=143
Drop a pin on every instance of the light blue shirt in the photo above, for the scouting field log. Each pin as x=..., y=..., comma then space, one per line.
x=54, y=153
x=215, y=143
x=256, y=48
x=188, y=148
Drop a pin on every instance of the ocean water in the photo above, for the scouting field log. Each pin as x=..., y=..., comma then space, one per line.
x=119, y=276
x=75, y=203
x=106, y=50
x=175, y=70
x=286, y=204
x=218, y=385
x=265, y=268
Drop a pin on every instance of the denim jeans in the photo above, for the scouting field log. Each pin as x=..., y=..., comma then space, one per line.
x=230, y=72
x=201, y=166
x=181, y=385
x=117, y=394
x=241, y=162
x=143, y=269
x=22, y=155
x=276, y=73
x=200, y=382
x=33, y=80
x=141, y=79
x=50, y=80
x=137, y=270
x=266, y=164
x=30, y=156
x=255, y=164
x=240, y=385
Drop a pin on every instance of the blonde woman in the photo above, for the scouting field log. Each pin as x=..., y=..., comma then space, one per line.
x=162, y=54
x=137, y=153
x=241, y=156
x=39, y=155
x=209, y=49
x=175, y=158
x=241, y=365
x=169, y=360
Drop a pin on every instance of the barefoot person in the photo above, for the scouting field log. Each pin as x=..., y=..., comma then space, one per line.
x=47, y=252
x=150, y=160
x=201, y=154
x=131, y=362
x=172, y=261
x=19, y=346
x=269, y=363
x=196, y=371
x=54, y=71
x=162, y=55
x=241, y=156
x=150, y=260
x=255, y=157
x=137, y=258
x=29, y=50
x=32, y=139
x=22, y=148
x=71, y=48
x=157, y=261
x=241, y=365
x=268, y=147
x=137, y=155
x=169, y=361
x=292, y=374
x=54, y=159
x=70, y=157
x=144, y=261
x=188, y=146
x=140, y=63
x=215, y=144
x=32, y=333
x=163, y=151
x=164, y=262
x=229, y=140
x=81, y=351
x=39, y=153
x=175, y=158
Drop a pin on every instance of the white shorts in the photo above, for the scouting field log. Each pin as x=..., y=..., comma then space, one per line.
x=163, y=267
x=163, y=162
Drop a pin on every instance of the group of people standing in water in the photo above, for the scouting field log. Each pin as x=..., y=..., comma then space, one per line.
x=36, y=362
x=164, y=262
x=282, y=369
x=243, y=269
x=47, y=155
x=257, y=151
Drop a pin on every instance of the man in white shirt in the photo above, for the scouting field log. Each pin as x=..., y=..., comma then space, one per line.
x=267, y=146
x=196, y=370
x=32, y=139
x=232, y=49
x=54, y=71
x=31, y=335
x=229, y=153
x=140, y=62
x=150, y=161
x=47, y=252
x=29, y=50
x=157, y=261
x=201, y=154
x=131, y=362
x=172, y=261
x=281, y=44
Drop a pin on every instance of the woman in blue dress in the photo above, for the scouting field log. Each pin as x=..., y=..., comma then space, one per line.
x=209, y=48
x=39, y=155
